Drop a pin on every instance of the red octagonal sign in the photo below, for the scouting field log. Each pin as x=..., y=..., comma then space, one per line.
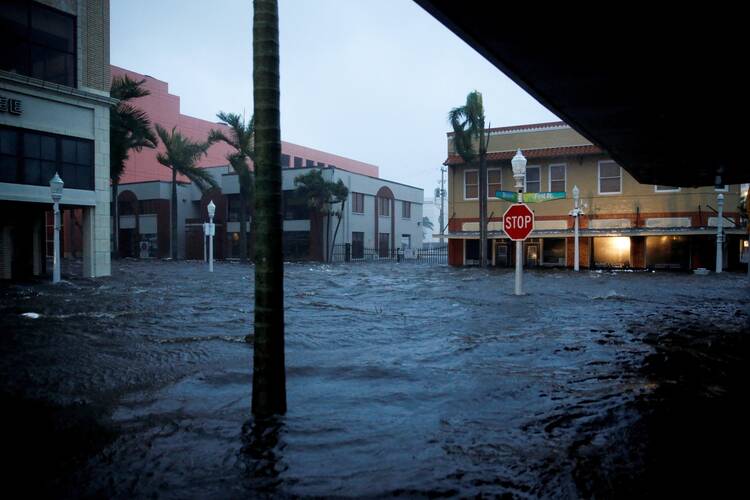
x=518, y=222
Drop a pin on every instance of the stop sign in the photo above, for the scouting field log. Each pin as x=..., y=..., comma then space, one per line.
x=518, y=222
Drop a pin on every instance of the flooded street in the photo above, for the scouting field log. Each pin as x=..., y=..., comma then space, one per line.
x=402, y=379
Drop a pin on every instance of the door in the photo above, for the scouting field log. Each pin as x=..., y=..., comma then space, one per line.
x=532, y=255
x=501, y=254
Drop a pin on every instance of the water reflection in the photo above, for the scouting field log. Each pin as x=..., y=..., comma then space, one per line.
x=262, y=453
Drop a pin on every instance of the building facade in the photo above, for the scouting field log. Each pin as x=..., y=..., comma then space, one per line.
x=54, y=117
x=378, y=214
x=144, y=197
x=625, y=224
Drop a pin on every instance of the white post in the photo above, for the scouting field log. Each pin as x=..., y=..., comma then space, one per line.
x=211, y=245
x=56, y=251
x=56, y=191
x=211, y=210
x=720, y=235
x=519, y=256
x=576, y=213
x=519, y=173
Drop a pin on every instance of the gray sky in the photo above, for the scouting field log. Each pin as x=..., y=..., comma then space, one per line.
x=372, y=80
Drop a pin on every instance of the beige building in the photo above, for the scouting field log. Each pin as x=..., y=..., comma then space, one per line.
x=54, y=117
x=625, y=223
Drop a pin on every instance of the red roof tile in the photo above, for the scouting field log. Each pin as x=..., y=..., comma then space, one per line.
x=534, y=153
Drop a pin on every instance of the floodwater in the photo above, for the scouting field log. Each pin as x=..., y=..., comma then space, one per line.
x=403, y=380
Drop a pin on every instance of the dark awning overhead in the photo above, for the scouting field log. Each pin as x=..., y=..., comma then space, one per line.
x=663, y=93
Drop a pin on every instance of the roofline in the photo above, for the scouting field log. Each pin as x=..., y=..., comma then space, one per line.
x=531, y=127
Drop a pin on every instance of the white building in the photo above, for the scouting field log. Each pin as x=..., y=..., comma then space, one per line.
x=377, y=217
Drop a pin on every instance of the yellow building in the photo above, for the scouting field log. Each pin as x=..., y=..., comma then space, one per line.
x=625, y=223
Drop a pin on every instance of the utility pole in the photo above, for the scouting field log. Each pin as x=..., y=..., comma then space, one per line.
x=442, y=203
x=720, y=235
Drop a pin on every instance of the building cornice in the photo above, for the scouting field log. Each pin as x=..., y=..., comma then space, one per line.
x=90, y=95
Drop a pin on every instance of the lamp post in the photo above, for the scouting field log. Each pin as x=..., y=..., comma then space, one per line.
x=56, y=190
x=576, y=212
x=720, y=234
x=519, y=173
x=211, y=211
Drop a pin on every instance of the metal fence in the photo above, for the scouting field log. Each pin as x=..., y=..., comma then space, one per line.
x=346, y=252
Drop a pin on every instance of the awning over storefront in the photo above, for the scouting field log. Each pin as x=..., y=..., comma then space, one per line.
x=641, y=231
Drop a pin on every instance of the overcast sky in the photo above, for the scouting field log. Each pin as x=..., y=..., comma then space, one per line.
x=371, y=80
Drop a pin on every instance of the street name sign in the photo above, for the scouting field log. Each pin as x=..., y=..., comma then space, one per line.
x=531, y=197
x=518, y=222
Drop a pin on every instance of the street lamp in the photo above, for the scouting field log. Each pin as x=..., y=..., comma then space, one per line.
x=211, y=231
x=56, y=190
x=519, y=173
x=720, y=234
x=576, y=212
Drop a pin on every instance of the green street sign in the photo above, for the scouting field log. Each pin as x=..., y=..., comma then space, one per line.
x=507, y=195
x=530, y=197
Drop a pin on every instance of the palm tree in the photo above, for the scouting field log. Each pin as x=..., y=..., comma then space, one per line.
x=320, y=195
x=470, y=140
x=181, y=155
x=427, y=225
x=241, y=139
x=129, y=130
x=269, y=377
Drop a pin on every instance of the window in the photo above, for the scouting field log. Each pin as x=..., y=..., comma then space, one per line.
x=383, y=244
x=405, y=241
x=557, y=178
x=533, y=179
x=358, y=245
x=384, y=207
x=331, y=166
x=296, y=244
x=471, y=185
x=406, y=210
x=8, y=155
x=358, y=203
x=666, y=189
x=297, y=162
x=295, y=208
x=553, y=251
x=309, y=164
x=494, y=181
x=610, y=178
x=33, y=158
x=285, y=160
x=321, y=164
x=38, y=41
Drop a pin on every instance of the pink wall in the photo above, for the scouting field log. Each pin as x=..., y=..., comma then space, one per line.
x=164, y=108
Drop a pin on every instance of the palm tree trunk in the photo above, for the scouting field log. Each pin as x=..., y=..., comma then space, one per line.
x=173, y=215
x=269, y=378
x=482, y=201
x=243, y=226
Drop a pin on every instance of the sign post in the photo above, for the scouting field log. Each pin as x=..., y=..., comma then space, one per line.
x=518, y=220
x=518, y=223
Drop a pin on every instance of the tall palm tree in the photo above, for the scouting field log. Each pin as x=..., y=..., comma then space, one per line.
x=319, y=195
x=181, y=155
x=470, y=140
x=241, y=139
x=269, y=377
x=129, y=130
